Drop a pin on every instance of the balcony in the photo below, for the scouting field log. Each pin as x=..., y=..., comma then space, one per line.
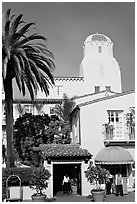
x=112, y=138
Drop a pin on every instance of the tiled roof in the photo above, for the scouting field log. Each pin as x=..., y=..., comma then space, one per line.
x=43, y=101
x=56, y=151
x=68, y=78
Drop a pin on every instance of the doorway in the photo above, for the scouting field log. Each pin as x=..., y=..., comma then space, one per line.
x=72, y=170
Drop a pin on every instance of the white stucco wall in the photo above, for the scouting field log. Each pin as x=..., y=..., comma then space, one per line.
x=70, y=86
x=93, y=116
x=49, y=190
x=86, y=187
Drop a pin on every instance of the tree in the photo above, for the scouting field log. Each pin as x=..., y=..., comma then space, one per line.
x=32, y=130
x=64, y=110
x=27, y=59
x=29, y=132
x=57, y=132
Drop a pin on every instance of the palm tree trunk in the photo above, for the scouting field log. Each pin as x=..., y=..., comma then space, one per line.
x=9, y=121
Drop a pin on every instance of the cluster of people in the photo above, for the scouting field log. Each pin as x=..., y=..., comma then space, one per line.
x=118, y=185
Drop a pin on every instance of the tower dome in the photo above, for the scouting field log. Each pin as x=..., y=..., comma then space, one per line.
x=98, y=38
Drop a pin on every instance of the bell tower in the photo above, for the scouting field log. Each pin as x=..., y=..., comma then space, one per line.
x=98, y=66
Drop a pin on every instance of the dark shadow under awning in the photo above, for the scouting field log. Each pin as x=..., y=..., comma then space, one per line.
x=113, y=155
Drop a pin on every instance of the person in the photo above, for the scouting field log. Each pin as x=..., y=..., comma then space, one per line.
x=66, y=184
x=108, y=186
x=119, y=184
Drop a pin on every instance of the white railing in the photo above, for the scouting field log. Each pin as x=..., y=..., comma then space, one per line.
x=125, y=137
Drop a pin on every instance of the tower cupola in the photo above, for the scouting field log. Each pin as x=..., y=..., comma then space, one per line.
x=99, y=67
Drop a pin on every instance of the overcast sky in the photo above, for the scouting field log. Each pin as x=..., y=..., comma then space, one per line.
x=67, y=24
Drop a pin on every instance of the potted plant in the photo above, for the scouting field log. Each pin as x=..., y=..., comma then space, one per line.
x=39, y=182
x=97, y=176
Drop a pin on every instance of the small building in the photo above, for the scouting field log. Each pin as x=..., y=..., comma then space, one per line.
x=62, y=159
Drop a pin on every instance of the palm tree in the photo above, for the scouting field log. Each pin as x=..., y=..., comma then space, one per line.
x=26, y=58
x=64, y=110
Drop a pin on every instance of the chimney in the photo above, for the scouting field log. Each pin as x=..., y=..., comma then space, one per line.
x=108, y=88
x=97, y=89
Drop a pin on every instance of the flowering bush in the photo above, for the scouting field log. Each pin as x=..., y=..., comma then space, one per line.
x=96, y=176
x=39, y=179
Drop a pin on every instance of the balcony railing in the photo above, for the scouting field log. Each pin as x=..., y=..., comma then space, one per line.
x=125, y=137
x=110, y=133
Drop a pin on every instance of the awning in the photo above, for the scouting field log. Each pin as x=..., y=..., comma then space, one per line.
x=113, y=155
x=63, y=151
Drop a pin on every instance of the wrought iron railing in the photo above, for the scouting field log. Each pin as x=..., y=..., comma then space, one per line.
x=126, y=136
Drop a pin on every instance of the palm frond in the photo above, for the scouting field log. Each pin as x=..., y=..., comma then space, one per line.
x=15, y=24
x=29, y=86
x=34, y=36
x=25, y=28
x=45, y=69
x=7, y=15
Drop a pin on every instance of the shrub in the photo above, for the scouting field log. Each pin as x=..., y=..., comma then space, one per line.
x=96, y=175
x=38, y=179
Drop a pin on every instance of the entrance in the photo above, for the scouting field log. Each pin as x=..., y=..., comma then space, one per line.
x=72, y=170
x=114, y=169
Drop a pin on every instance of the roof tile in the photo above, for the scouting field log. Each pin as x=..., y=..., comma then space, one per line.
x=63, y=150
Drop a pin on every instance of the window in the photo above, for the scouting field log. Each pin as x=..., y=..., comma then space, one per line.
x=52, y=111
x=99, y=49
x=115, y=118
x=59, y=90
x=28, y=109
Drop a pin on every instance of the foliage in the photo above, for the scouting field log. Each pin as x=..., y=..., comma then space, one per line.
x=26, y=59
x=33, y=130
x=96, y=175
x=108, y=130
x=20, y=109
x=58, y=132
x=64, y=110
x=39, y=108
x=130, y=120
x=38, y=179
x=29, y=132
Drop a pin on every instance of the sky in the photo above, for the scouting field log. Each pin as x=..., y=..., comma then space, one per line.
x=66, y=25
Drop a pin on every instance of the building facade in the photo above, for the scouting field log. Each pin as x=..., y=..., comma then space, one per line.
x=99, y=99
